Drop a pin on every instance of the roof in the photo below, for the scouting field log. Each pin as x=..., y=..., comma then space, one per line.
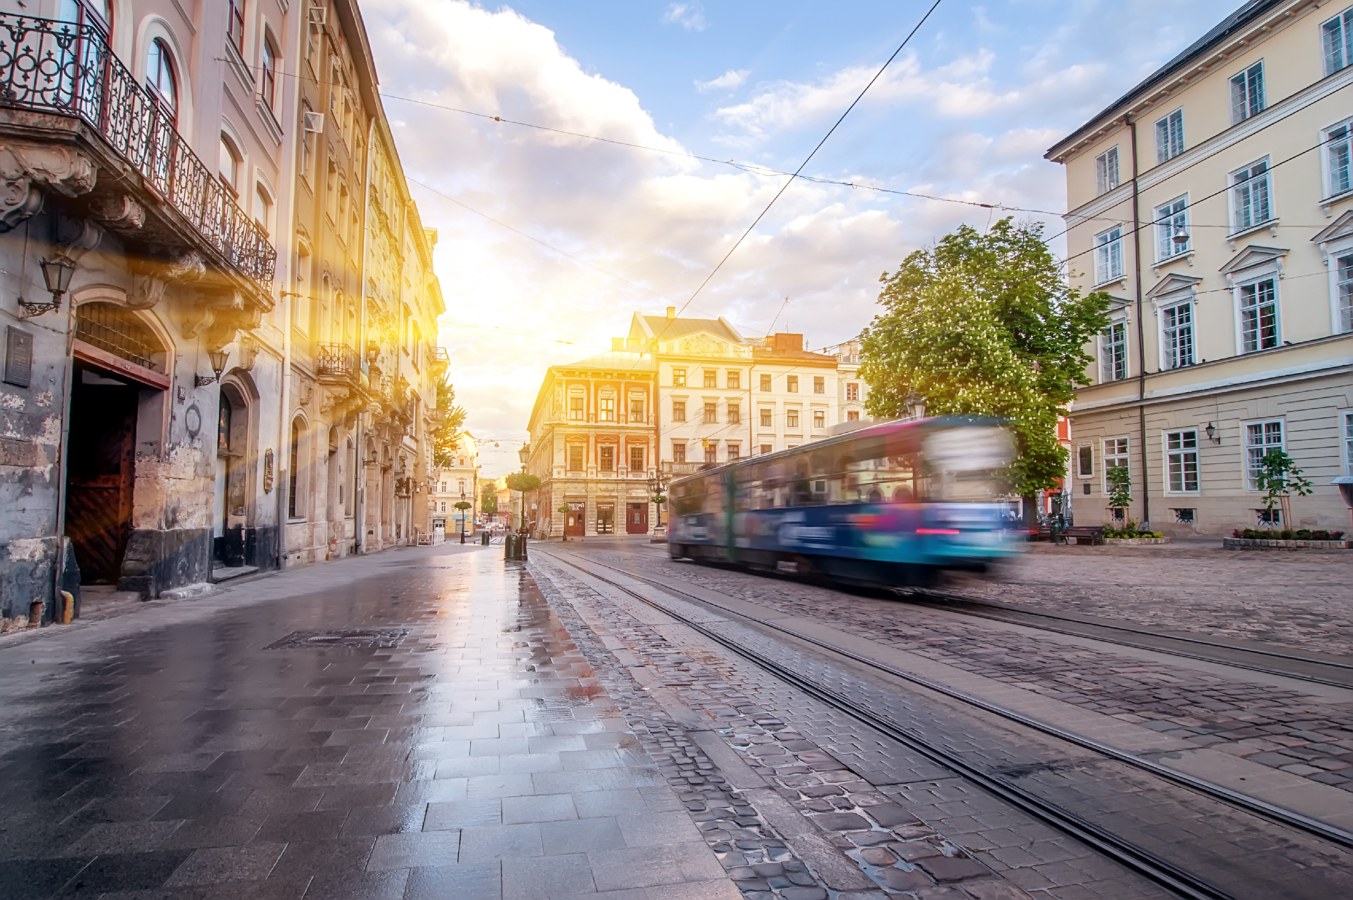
x=1236, y=21
x=666, y=329
x=615, y=360
x=802, y=355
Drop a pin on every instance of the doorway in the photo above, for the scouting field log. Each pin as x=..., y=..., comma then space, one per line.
x=576, y=523
x=605, y=518
x=230, y=502
x=636, y=518
x=100, y=471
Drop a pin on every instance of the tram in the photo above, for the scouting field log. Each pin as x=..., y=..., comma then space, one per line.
x=893, y=504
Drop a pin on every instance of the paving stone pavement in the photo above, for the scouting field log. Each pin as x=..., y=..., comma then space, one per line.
x=1298, y=733
x=421, y=726
x=1166, y=820
x=870, y=797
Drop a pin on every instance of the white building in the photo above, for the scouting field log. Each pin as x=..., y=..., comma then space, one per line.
x=453, y=484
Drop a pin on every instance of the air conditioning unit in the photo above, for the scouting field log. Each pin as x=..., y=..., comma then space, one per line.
x=314, y=122
x=318, y=15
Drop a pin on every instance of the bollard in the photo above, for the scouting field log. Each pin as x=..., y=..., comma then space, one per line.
x=484, y=538
x=67, y=607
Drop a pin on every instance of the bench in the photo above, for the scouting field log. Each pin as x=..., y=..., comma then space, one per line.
x=1085, y=534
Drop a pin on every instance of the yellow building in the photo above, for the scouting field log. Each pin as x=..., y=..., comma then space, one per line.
x=456, y=483
x=1214, y=203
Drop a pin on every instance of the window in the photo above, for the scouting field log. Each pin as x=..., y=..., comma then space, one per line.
x=734, y=452
x=1250, y=197
x=767, y=448
x=1113, y=359
x=1109, y=255
x=575, y=409
x=1176, y=336
x=1115, y=456
x=160, y=79
x=853, y=392
x=311, y=43
x=1172, y=228
x=765, y=383
x=819, y=418
x=575, y=457
x=1247, y=93
x=791, y=418
x=307, y=146
x=637, y=410
x=734, y=380
x=1337, y=157
x=1259, y=315
x=1085, y=461
x=1337, y=35
x=678, y=452
x=711, y=414
x=1106, y=171
x=1348, y=443
x=1181, y=461
x=711, y=452
x=734, y=414
x=819, y=384
x=443, y=506
x=711, y=378
x=606, y=455
x=1343, y=285
x=767, y=418
x=678, y=378
x=1170, y=136
x=268, y=80
x=678, y=410
x=262, y=208
x=1184, y=516
x=235, y=25
x=230, y=165
x=792, y=383
x=607, y=408
x=1260, y=438
x=636, y=459
x=853, y=415
x=443, y=487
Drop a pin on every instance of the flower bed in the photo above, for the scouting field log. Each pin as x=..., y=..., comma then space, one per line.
x=1280, y=544
x=1287, y=534
x=1135, y=541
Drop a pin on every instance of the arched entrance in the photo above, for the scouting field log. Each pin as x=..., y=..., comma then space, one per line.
x=117, y=385
x=230, y=513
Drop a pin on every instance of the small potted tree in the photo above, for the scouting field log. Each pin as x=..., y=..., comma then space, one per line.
x=564, y=510
x=1279, y=478
x=1125, y=530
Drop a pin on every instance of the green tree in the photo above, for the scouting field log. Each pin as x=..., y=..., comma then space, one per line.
x=985, y=324
x=488, y=503
x=524, y=484
x=1279, y=478
x=449, y=431
x=564, y=509
x=1119, y=481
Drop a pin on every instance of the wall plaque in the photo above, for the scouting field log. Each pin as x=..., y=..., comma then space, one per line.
x=18, y=357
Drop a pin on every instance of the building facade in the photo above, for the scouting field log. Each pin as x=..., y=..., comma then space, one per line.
x=454, y=484
x=1214, y=203
x=594, y=447
x=852, y=391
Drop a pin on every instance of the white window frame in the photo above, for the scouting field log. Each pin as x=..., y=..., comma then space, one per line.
x=1105, y=458
x=762, y=414
x=1248, y=93
x=1341, y=286
x=1170, y=361
x=1109, y=265
x=1253, y=282
x=1335, y=147
x=1181, y=454
x=1081, y=471
x=1107, y=177
x=1247, y=188
x=1336, y=42
x=1103, y=346
x=1170, y=136
x=1248, y=471
x=1346, y=438
x=1172, y=218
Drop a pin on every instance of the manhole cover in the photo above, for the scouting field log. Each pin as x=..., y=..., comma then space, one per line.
x=352, y=638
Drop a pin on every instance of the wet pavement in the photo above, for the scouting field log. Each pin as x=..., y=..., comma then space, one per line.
x=410, y=725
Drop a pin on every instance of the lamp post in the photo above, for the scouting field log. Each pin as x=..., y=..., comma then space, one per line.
x=460, y=507
x=525, y=454
x=657, y=487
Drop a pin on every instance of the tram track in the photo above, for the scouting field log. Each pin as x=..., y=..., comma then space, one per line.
x=1126, y=852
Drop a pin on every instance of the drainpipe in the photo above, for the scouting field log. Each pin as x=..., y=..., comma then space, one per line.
x=1141, y=328
x=359, y=452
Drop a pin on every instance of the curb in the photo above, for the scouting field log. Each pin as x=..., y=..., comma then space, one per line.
x=1265, y=544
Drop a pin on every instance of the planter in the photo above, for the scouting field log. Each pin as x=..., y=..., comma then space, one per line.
x=1135, y=542
x=1266, y=544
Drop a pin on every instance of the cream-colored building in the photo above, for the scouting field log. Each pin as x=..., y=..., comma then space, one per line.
x=455, y=483
x=852, y=391
x=1214, y=203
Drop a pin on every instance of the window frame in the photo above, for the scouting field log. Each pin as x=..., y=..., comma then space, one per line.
x=678, y=377
x=767, y=448
x=1170, y=136
x=1248, y=471
x=791, y=384
x=766, y=416
x=1346, y=438
x=1108, y=174
x=733, y=379
x=575, y=452
x=710, y=415
x=819, y=419
x=792, y=419
x=767, y=384
x=267, y=70
x=1344, y=23
x=1182, y=454
x=577, y=407
x=230, y=148
x=1332, y=147
x=852, y=392
x=678, y=451
x=1172, y=218
x=734, y=414
x=819, y=384
x=1249, y=186
x=1105, y=456
x=235, y=25
x=1341, y=287
x=733, y=451
x=606, y=408
x=1108, y=252
x=711, y=378
x=641, y=451
x=1170, y=356
x=606, y=458
x=1105, y=343
x=1252, y=97
x=1254, y=282
x=167, y=66
x=1081, y=470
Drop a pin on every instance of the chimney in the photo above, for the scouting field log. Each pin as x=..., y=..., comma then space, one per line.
x=786, y=343
x=671, y=312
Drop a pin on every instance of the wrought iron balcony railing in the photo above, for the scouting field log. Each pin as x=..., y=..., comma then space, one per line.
x=438, y=358
x=337, y=361
x=69, y=70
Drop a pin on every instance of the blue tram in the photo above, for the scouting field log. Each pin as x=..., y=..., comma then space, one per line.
x=891, y=504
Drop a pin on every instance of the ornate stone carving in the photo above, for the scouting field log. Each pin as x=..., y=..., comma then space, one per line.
x=24, y=167
x=218, y=318
x=120, y=212
x=702, y=345
x=248, y=352
x=147, y=290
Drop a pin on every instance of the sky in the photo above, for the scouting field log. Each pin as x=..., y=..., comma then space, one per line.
x=548, y=243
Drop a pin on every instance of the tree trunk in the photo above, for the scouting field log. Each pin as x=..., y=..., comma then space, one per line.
x=1029, y=512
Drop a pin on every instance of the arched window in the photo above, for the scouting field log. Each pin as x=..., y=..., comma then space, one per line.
x=161, y=80
x=235, y=25
x=230, y=164
x=295, y=509
x=262, y=208
x=268, y=86
x=95, y=13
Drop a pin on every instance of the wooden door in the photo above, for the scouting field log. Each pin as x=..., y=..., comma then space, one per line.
x=605, y=518
x=576, y=524
x=99, y=475
x=636, y=519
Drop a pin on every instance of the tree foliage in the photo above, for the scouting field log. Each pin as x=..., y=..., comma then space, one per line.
x=488, y=503
x=984, y=324
x=448, y=433
x=523, y=483
x=1119, y=481
x=1279, y=478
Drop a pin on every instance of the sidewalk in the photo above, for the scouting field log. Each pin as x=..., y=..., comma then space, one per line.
x=412, y=725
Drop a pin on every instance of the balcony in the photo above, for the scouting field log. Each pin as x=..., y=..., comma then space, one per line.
x=337, y=362
x=678, y=469
x=68, y=70
x=438, y=361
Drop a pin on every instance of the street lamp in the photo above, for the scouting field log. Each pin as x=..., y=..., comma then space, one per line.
x=460, y=507
x=525, y=454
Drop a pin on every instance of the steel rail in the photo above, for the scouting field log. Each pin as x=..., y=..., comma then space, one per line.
x=1128, y=854
x=1272, y=812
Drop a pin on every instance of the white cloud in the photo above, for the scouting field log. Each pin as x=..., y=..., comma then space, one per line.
x=728, y=81
x=690, y=16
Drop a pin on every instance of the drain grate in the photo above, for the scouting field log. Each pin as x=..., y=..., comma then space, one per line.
x=348, y=639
